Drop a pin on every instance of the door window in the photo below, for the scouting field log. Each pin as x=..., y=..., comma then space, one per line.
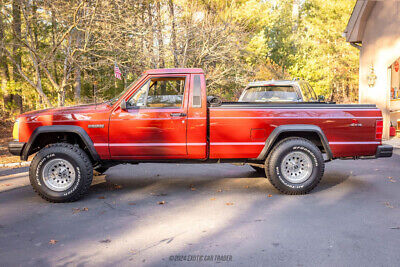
x=159, y=93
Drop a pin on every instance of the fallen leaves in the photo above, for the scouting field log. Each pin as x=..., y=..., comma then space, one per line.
x=193, y=189
x=269, y=195
x=53, y=242
x=161, y=202
x=131, y=203
x=387, y=204
x=77, y=210
x=213, y=198
x=101, y=197
x=229, y=203
x=219, y=190
x=117, y=186
x=246, y=186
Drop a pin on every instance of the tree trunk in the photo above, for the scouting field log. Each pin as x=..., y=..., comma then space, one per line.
x=77, y=85
x=173, y=33
x=150, y=37
x=16, y=26
x=77, y=81
x=161, y=62
x=3, y=64
x=53, y=40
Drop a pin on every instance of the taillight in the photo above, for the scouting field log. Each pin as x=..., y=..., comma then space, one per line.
x=379, y=129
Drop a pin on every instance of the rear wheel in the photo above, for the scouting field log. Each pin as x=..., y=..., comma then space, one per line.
x=61, y=173
x=295, y=166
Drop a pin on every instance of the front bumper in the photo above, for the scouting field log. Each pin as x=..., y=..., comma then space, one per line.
x=15, y=147
x=384, y=151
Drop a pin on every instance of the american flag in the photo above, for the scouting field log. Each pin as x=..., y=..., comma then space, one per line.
x=117, y=72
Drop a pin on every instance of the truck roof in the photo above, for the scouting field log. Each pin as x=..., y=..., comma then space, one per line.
x=174, y=71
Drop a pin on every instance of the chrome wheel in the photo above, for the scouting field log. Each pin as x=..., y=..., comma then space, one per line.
x=58, y=174
x=296, y=167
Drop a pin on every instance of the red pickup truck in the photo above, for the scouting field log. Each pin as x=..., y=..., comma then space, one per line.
x=165, y=116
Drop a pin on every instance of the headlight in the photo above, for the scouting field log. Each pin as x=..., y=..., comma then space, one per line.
x=16, y=130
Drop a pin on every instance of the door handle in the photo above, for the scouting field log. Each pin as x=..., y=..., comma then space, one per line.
x=177, y=114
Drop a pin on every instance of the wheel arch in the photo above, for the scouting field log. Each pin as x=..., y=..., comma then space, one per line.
x=59, y=133
x=311, y=132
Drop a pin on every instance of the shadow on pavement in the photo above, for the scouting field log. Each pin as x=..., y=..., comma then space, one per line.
x=7, y=172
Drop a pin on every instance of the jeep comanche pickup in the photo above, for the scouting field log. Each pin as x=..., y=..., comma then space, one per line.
x=165, y=116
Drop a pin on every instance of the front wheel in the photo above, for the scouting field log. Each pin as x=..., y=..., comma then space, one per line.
x=295, y=166
x=61, y=173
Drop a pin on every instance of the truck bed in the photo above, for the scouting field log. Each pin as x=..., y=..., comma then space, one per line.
x=241, y=128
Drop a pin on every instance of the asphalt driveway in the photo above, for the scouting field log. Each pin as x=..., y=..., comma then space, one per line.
x=199, y=215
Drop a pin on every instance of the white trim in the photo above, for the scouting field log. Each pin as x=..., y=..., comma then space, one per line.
x=182, y=144
x=309, y=118
x=355, y=143
x=148, y=144
x=237, y=143
x=222, y=144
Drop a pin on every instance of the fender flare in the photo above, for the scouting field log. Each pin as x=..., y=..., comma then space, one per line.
x=62, y=129
x=295, y=128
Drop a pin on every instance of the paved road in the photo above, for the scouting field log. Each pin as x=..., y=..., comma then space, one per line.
x=351, y=219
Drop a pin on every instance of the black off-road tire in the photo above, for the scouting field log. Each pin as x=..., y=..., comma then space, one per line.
x=278, y=153
x=76, y=157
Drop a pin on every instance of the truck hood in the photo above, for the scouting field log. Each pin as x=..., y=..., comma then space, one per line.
x=79, y=109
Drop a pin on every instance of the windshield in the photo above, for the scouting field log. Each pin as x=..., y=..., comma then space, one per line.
x=115, y=99
x=270, y=93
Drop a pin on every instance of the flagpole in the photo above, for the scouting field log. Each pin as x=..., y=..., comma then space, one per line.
x=117, y=75
x=115, y=78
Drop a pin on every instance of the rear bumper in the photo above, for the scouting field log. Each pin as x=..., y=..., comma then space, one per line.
x=384, y=151
x=16, y=148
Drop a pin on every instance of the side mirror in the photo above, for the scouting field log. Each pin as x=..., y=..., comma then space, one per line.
x=122, y=105
x=321, y=98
